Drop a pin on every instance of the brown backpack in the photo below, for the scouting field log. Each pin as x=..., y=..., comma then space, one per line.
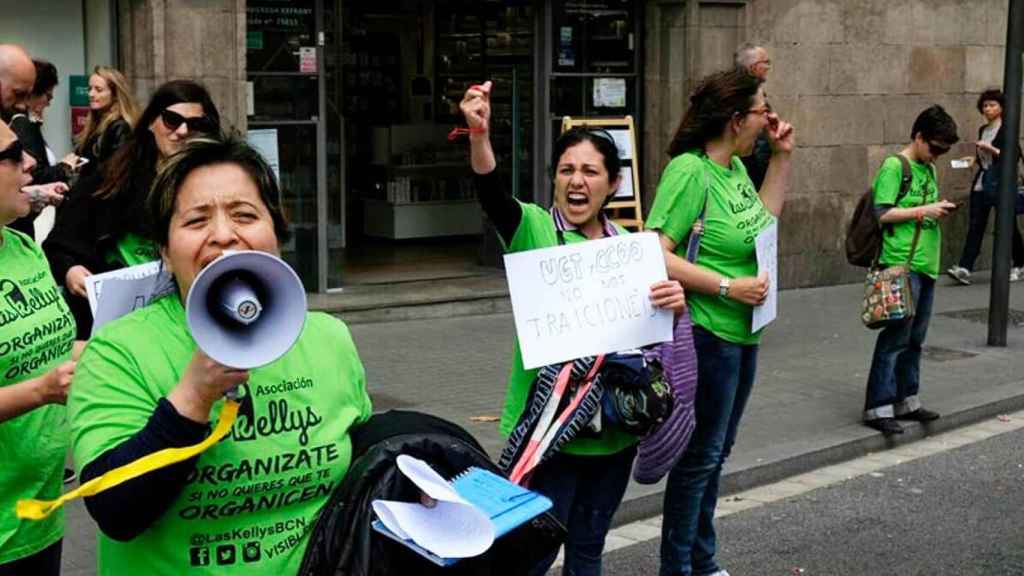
x=864, y=233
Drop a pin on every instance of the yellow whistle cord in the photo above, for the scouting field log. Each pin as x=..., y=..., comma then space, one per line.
x=39, y=509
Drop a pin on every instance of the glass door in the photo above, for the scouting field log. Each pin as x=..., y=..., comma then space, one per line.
x=284, y=51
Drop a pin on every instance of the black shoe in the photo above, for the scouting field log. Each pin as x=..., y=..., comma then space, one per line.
x=887, y=426
x=919, y=415
x=69, y=476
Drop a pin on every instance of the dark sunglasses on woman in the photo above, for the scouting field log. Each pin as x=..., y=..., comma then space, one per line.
x=173, y=120
x=13, y=152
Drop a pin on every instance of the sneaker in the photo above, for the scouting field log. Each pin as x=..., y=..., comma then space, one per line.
x=960, y=274
x=919, y=415
x=887, y=426
x=1016, y=273
x=69, y=476
x=719, y=573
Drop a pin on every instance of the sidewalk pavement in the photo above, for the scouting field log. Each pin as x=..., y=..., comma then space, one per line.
x=804, y=412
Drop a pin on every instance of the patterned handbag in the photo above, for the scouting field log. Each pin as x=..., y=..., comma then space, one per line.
x=887, y=295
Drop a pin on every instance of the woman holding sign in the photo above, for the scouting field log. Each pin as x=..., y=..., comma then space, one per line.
x=248, y=503
x=706, y=182
x=35, y=372
x=587, y=478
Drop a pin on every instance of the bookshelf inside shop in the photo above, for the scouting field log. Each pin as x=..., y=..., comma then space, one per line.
x=405, y=74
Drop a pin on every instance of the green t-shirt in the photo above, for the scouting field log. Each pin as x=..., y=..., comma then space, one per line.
x=537, y=230
x=37, y=332
x=251, y=502
x=132, y=250
x=923, y=190
x=735, y=216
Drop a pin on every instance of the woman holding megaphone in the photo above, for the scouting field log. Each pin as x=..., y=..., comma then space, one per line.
x=249, y=501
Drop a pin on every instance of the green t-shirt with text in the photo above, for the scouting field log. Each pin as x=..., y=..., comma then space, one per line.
x=37, y=332
x=537, y=230
x=923, y=190
x=735, y=216
x=251, y=501
x=132, y=250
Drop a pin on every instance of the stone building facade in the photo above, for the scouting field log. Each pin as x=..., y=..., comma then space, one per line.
x=851, y=75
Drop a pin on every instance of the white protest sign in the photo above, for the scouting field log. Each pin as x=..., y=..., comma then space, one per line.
x=767, y=249
x=587, y=298
x=116, y=293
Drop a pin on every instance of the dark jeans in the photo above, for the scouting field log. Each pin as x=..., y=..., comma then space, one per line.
x=46, y=562
x=725, y=377
x=586, y=492
x=895, y=375
x=978, y=221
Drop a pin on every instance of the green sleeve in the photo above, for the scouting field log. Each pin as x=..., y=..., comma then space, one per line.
x=536, y=230
x=109, y=402
x=679, y=198
x=887, y=182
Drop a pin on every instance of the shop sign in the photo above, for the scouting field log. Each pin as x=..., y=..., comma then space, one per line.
x=78, y=86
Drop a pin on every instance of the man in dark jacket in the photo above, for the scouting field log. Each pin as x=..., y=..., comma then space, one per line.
x=755, y=59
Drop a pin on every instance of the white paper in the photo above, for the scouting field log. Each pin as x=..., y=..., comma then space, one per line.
x=149, y=270
x=767, y=246
x=609, y=92
x=587, y=298
x=307, y=59
x=264, y=140
x=623, y=142
x=451, y=529
x=120, y=296
x=626, y=186
x=960, y=163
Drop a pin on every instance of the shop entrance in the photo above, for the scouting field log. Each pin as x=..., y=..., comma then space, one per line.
x=410, y=208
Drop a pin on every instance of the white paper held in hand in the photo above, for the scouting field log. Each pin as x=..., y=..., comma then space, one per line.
x=451, y=529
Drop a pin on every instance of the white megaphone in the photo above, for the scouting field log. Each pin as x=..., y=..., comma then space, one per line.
x=246, y=309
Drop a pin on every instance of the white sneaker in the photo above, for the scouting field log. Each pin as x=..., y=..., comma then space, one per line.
x=963, y=275
x=1016, y=274
x=719, y=573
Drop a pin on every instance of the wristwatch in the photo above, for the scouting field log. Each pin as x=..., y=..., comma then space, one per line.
x=723, y=287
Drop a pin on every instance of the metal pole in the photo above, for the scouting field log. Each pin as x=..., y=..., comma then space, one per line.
x=999, y=299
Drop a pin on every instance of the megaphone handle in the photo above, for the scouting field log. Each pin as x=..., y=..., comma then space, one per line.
x=234, y=394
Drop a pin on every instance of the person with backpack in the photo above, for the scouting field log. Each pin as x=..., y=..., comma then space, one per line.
x=915, y=236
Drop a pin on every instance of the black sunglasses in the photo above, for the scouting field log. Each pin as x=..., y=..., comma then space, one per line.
x=937, y=149
x=173, y=121
x=12, y=152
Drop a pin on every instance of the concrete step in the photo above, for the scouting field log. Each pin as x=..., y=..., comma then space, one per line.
x=417, y=300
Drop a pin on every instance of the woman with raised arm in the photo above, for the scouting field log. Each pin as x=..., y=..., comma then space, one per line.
x=587, y=478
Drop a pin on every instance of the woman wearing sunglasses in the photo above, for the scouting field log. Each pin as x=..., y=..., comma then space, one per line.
x=705, y=180
x=35, y=374
x=112, y=113
x=99, y=227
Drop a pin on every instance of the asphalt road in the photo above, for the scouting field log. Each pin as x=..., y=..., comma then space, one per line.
x=958, y=512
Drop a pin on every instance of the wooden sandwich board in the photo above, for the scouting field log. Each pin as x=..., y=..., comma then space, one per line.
x=624, y=208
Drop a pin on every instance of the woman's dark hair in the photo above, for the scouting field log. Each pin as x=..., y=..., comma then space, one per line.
x=934, y=124
x=209, y=150
x=991, y=95
x=46, y=77
x=133, y=165
x=712, y=105
x=601, y=140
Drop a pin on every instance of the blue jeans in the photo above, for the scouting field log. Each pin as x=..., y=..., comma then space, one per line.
x=895, y=375
x=725, y=376
x=586, y=492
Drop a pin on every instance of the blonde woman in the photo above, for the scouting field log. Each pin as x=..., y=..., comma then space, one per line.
x=112, y=115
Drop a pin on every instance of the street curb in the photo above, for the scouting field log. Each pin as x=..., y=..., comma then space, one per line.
x=650, y=505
